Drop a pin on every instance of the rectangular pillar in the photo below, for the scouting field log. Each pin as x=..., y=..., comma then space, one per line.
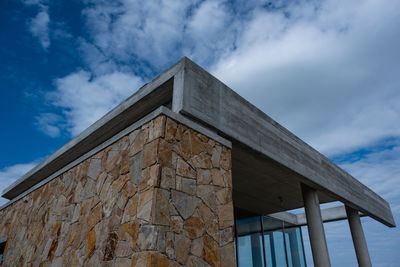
x=357, y=233
x=315, y=227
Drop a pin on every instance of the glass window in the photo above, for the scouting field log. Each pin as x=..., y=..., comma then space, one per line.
x=276, y=238
x=273, y=235
x=288, y=250
x=249, y=242
x=265, y=242
x=294, y=247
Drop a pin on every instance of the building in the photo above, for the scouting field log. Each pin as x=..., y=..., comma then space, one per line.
x=166, y=177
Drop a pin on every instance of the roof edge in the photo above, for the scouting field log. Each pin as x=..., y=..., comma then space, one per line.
x=140, y=100
x=159, y=111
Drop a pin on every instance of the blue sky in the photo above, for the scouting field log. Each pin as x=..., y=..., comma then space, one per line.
x=326, y=70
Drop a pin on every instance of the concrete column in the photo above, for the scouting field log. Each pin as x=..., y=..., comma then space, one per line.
x=315, y=227
x=357, y=233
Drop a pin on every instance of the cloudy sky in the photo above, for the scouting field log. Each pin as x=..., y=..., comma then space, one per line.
x=329, y=71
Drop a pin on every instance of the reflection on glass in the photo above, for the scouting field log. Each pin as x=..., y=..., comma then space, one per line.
x=267, y=242
x=294, y=247
x=288, y=249
x=249, y=242
x=273, y=235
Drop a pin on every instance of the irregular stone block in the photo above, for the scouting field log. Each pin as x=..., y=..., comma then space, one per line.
x=123, y=250
x=145, y=205
x=176, y=224
x=161, y=207
x=203, y=176
x=132, y=229
x=111, y=244
x=184, y=169
x=226, y=236
x=95, y=216
x=150, y=177
x=194, y=227
x=150, y=151
x=217, y=178
x=123, y=262
x=184, y=203
x=207, y=194
x=94, y=168
x=211, y=251
x=197, y=247
x=157, y=128
x=167, y=178
x=170, y=245
x=147, y=238
x=130, y=210
x=216, y=156
x=182, y=248
x=202, y=160
x=227, y=253
x=225, y=215
x=139, y=140
x=135, y=171
x=196, y=262
x=188, y=186
x=225, y=161
x=90, y=243
x=165, y=153
x=197, y=145
x=170, y=130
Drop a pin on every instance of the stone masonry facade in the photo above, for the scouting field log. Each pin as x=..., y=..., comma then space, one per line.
x=160, y=196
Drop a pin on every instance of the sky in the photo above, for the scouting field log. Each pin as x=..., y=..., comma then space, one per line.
x=326, y=70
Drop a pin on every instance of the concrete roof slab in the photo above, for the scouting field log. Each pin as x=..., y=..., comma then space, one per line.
x=282, y=159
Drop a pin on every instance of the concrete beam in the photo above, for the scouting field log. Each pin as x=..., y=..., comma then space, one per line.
x=328, y=215
x=285, y=216
x=207, y=99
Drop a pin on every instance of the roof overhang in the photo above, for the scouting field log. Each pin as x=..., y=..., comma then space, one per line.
x=264, y=153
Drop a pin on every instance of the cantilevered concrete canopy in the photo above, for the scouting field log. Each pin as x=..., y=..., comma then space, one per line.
x=269, y=162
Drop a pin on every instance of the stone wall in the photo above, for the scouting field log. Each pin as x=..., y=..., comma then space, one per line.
x=161, y=196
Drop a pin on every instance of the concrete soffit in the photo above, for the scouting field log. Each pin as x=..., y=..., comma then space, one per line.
x=328, y=215
x=201, y=100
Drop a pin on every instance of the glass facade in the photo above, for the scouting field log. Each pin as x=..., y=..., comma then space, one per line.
x=266, y=242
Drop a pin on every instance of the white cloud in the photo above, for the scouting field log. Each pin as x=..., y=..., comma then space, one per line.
x=146, y=31
x=39, y=25
x=380, y=170
x=208, y=32
x=85, y=99
x=326, y=72
x=48, y=123
x=9, y=174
